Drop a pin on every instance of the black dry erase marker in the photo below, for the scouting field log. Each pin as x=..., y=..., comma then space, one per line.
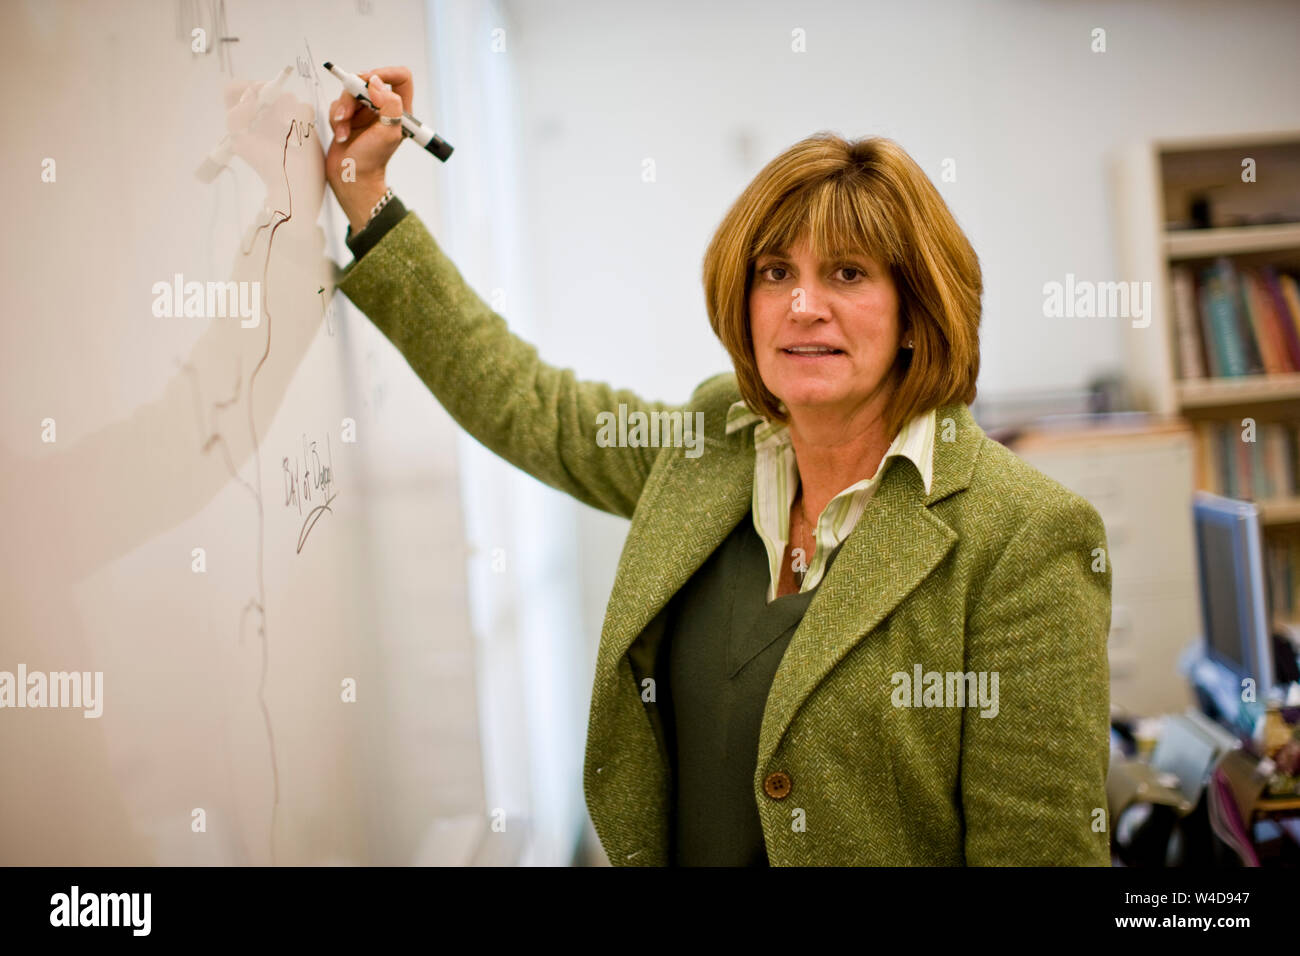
x=412, y=128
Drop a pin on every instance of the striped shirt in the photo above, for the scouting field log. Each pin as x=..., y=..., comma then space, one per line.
x=776, y=477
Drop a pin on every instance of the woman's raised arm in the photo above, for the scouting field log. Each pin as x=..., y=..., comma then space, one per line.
x=493, y=383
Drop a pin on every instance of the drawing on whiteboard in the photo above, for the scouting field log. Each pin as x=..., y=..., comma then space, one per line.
x=318, y=476
x=301, y=133
x=253, y=120
x=327, y=309
x=215, y=35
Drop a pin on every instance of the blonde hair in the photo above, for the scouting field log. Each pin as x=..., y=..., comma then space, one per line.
x=867, y=195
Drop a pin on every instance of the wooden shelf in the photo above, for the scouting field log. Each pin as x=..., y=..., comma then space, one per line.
x=1154, y=184
x=1275, y=511
x=1176, y=144
x=1211, y=392
x=1203, y=243
x=1158, y=186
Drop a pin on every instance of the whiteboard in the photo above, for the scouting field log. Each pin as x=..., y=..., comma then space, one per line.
x=244, y=519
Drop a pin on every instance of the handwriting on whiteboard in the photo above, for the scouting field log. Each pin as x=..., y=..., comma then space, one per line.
x=309, y=484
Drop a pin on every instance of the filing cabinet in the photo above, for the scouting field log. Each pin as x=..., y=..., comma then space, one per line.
x=1140, y=480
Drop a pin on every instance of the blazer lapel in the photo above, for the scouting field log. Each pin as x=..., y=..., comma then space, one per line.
x=685, y=515
x=697, y=502
x=895, y=545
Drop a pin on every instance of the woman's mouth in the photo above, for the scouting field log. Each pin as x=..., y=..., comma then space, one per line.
x=812, y=352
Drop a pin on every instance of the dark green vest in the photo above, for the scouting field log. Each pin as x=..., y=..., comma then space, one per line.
x=720, y=651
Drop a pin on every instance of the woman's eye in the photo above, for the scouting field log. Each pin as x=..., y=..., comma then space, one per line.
x=857, y=273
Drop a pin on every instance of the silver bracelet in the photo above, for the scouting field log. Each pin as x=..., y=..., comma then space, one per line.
x=383, y=201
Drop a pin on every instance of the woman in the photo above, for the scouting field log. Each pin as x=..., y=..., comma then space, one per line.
x=853, y=630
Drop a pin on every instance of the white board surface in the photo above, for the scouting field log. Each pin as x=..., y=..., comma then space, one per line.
x=234, y=524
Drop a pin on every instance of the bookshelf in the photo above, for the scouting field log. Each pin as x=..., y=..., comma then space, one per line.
x=1218, y=251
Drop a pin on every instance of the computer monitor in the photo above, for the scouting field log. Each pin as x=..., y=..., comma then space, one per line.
x=1230, y=561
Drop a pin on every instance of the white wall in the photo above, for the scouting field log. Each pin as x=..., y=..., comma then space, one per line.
x=711, y=92
x=534, y=664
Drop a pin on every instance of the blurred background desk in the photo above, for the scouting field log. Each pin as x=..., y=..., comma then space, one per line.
x=1261, y=827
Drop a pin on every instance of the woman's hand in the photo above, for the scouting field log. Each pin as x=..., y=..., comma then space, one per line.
x=367, y=143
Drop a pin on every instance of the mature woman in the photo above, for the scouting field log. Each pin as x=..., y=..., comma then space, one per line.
x=853, y=630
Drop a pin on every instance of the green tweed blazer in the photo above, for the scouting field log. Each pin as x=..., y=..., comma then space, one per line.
x=998, y=570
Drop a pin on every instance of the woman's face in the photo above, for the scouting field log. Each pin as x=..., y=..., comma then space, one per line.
x=848, y=303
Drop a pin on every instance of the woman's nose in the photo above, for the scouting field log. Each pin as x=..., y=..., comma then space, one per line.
x=809, y=302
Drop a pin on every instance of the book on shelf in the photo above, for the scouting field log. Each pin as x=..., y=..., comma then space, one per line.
x=1231, y=322
x=1229, y=465
x=1285, y=312
x=1267, y=468
x=1282, y=574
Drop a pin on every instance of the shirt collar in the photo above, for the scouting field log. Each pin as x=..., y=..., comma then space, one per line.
x=915, y=441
